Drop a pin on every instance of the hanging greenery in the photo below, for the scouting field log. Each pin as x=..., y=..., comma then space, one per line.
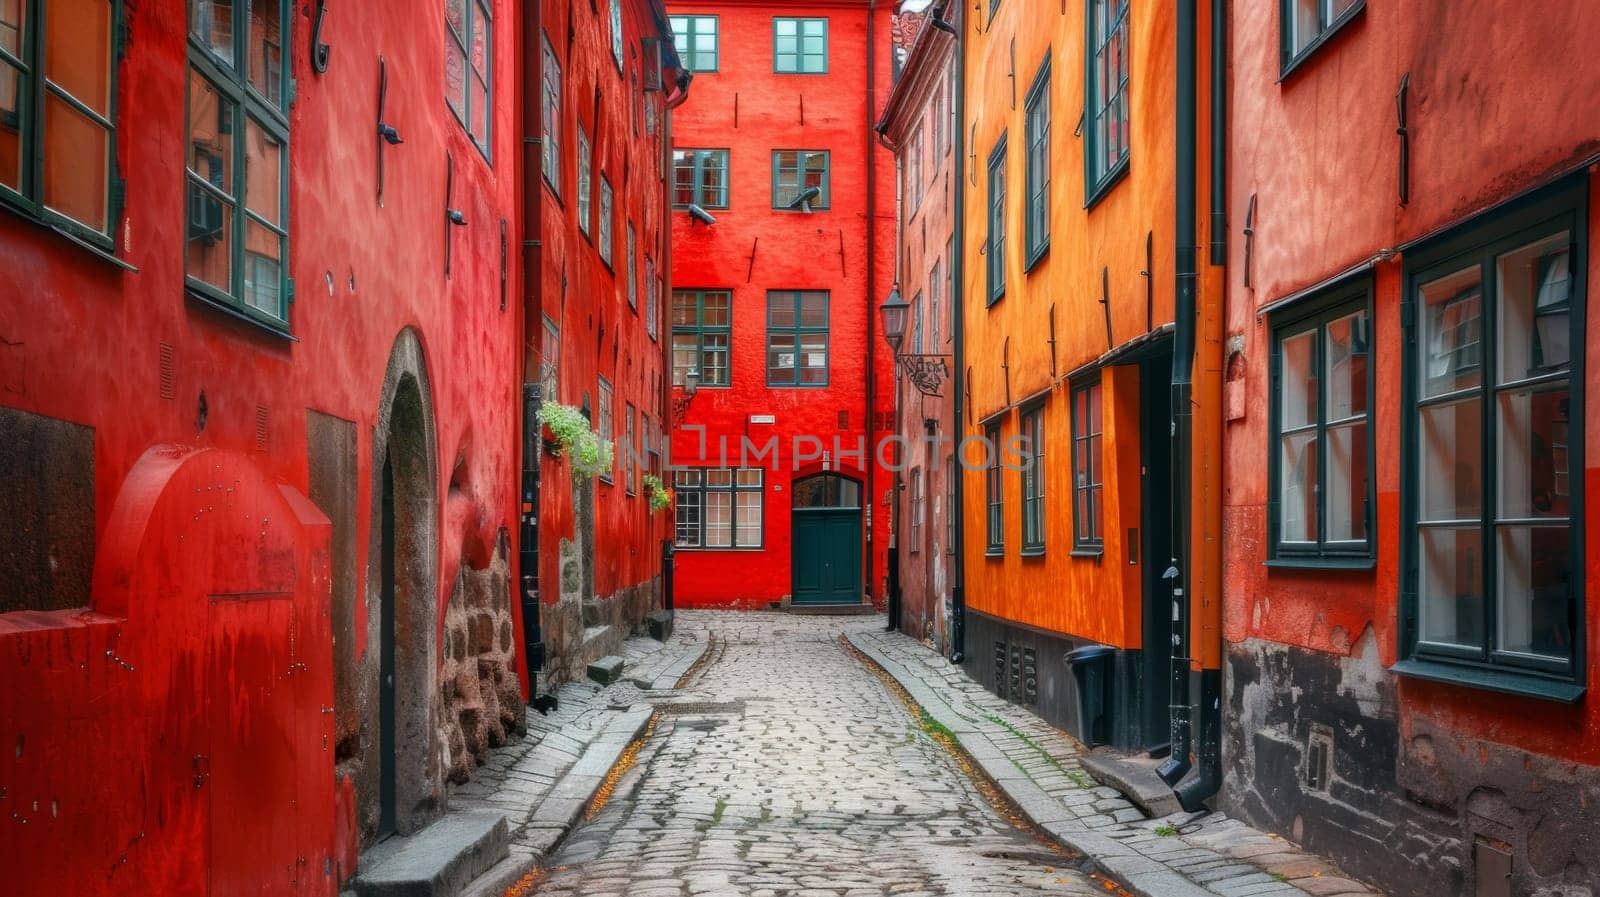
x=660, y=495
x=571, y=435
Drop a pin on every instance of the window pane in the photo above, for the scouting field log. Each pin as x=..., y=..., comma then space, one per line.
x=1348, y=350
x=813, y=359
x=455, y=77
x=1535, y=288
x=780, y=309
x=1452, y=332
x=480, y=113
x=1298, y=407
x=209, y=253
x=716, y=307
x=263, y=269
x=1298, y=480
x=1533, y=477
x=77, y=158
x=263, y=172
x=749, y=511
x=1304, y=24
x=719, y=519
x=719, y=478
x=266, y=49
x=77, y=55
x=685, y=351
x=748, y=476
x=455, y=12
x=211, y=124
x=1450, y=591
x=1535, y=566
x=1346, y=498
x=480, y=42
x=11, y=136
x=780, y=358
x=212, y=22
x=814, y=309
x=714, y=360
x=1450, y=467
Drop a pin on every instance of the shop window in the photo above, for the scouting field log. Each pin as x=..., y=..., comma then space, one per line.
x=468, y=55
x=800, y=46
x=795, y=171
x=719, y=507
x=1033, y=481
x=1306, y=24
x=996, y=245
x=1036, y=229
x=696, y=39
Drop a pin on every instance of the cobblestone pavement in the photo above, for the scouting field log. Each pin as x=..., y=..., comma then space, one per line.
x=787, y=768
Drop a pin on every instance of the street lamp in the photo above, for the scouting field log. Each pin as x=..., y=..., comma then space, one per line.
x=893, y=311
x=691, y=385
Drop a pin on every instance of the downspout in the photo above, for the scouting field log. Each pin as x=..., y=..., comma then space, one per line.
x=872, y=289
x=1193, y=793
x=958, y=575
x=532, y=329
x=1177, y=576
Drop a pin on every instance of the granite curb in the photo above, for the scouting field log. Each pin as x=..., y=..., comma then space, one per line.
x=1125, y=851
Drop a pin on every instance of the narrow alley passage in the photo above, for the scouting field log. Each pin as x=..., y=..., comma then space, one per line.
x=784, y=767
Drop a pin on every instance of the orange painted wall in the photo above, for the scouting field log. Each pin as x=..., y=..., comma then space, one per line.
x=1094, y=598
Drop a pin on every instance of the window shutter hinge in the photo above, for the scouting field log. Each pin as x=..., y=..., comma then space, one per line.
x=288, y=289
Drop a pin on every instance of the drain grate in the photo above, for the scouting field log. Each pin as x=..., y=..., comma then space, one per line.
x=701, y=707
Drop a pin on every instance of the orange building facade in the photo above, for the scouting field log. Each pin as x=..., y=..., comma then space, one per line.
x=1070, y=288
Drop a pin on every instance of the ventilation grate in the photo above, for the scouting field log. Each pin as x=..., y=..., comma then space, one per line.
x=168, y=375
x=1000, y=668
x=1016, y=672
x=1030, y=676
x=261, y=427
x=1319, y=757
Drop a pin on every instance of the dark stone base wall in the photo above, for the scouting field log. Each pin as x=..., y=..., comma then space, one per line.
x=480, y=694
x=1404, y=807
x=1000, y=655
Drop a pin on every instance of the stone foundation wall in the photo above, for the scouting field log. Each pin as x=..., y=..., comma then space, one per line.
x=479, y=693
x=1408, y=806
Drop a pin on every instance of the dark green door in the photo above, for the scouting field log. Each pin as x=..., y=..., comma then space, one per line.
x=826, y=554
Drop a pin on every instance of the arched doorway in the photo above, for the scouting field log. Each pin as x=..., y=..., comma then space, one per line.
x=825, y=557
x=400, y=784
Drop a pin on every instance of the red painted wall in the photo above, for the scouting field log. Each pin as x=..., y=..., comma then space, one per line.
x=110, y=701
x=1319, y=153
x=601, y=334
x=748, y=109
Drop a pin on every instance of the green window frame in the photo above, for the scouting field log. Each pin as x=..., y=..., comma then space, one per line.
x=995, y=247
x=652, y=297
x=1036, y=223
x=1033, y=479
x=585, y=181
x=1305, y=25
x=87, y=206
x=238, y=133
x=935, y=281
x=469, y=67
x=950, y=510
x=994, y=495
x=550, y=149
x=700, y=177
x=633, y=269
x=702, y=326
x=630, y=449
x=919, y=510
x=1105, y=97
x=1492, y=554
x=696, y=39
x=550, y=361
x=606, y=223
x=916, y=325
x=615, y=13
x=797, y=338
x=604, y=424
x=796, y=170
x=1320, y=460
x=719, y=508
x=1088, y=494
x=799, y=46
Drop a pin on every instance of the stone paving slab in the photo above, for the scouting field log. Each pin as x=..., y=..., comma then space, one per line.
x=1039, y=768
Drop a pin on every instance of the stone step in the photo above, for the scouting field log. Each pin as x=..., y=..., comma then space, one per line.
x=439, y=861
x=598, y=641
x=606, y=670
x=591, y=614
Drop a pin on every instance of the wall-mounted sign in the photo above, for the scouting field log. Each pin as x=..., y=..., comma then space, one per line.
x=763, y=418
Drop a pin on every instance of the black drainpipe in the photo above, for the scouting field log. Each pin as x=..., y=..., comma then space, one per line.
x=1193, y=793
x=532, y=324
x=872, y=289
x=1177, y=575
x=958, y=577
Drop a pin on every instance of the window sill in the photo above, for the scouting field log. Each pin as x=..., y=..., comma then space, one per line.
x=1032, y=552
x=992, y=301
x=1092, y=553
x=743, y=549
x=1502, y=681
x=279, y=330
x=1345, y=18
x=995, y=553
x=555, y=192
x=1321, y=563
x=99, y=252
x=1099, y=189
x=1035, y=256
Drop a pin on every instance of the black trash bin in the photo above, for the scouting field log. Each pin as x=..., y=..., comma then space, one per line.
x=1091, y=671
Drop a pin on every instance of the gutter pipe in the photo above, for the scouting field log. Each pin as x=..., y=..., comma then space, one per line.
x=872, y=288
x=532, y=125
x=958, y=597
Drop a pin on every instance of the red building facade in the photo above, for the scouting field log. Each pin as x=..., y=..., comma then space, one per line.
x=1409, y=640
x=919, y=123
x=260, y=305
x=783, y=232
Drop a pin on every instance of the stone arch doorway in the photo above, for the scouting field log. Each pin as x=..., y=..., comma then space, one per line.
x=401, y=786
x=825, y=557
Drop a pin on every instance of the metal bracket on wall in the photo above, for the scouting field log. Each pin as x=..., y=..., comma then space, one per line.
x=452, y=216
x=1149, y=281
x=966, y=386
x=751, y=270
x=1052, y=341
x=1249, y=237
x=802, y=110
x=1105, y=304
x=319, y=50
x=387, y=135
x=1401, y=128
x=1012, y=74
x=503, y=271
x=842, y=271
x=1005, y=367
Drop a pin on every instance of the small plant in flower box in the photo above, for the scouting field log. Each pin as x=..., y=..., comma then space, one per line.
x=660, y=493
x=567, y=432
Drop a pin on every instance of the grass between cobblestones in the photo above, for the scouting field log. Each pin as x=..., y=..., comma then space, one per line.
x=1076, y=775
